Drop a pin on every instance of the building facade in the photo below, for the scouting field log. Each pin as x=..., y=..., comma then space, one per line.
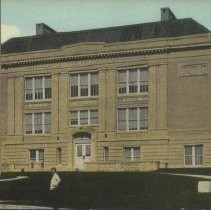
x=115, y=99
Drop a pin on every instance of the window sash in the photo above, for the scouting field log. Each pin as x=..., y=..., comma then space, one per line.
x=47, y=122
x=29, y=89
x=106, y=153
x=94, y=84
x=74, y=118
x=132, y=118
x=37, y=88
x=133, y=81
x=84, y=117
x=193, y=155
x=36, y=155
x=58, y=155
x=122, y=122
x=131, y=153
x=88, y=150
x=93, y=117
x=84, y=84
x=28, y=122
x=38, y=123
x=47, y=87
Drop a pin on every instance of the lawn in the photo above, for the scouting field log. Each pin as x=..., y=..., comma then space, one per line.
x=146, y=190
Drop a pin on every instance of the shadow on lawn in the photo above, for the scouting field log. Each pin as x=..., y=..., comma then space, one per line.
x=109, y=191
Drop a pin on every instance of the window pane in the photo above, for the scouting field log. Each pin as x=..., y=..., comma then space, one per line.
x=83, y=117
x=93, y=116
x=144, y=80
x=144, y=118
x=94, y=84
x=133, y=119
x=188, y=155
x=84, y=84
x=58, y=155
x=28, y=89
x=38, y=87
x=136, y=153
x=47, y=87
x=121, y=119
x=74, y=118
x=199, y=154
x=47, y=122
x=32, y=154
x=74, y=85
x=133, y=85
x=41, y=155
x=122, y=82
x=79, y=150
x=28, y=123
x=88, y=150
x=127, y=153
x=38, y=122
x=105, y=153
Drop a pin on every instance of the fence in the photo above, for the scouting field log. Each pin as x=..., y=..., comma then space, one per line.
x=122, y=166
x=10, y=167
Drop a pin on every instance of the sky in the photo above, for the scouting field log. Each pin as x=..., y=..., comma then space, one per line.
x=19, y=17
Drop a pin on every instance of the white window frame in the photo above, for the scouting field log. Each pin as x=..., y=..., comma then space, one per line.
x=132, y=153
x=33, y=122
x=37, y=156
x=105, y=153
x=193, y=147
x=138, y=119
x=139, y=81
x=79, y=118
x=89, y=84
x=59, y=156
x=43, y=88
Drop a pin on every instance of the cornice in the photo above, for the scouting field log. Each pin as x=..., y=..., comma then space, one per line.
x=100, y=56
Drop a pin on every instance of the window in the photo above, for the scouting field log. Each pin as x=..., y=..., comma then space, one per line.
x=36, y=155
x=84, y=84
x=133, y=118
x=79, y=150
x=38, y=123
x=84, y=117
x=93, y=116
x=105, y=153
x=88, y=150
x=131, y=153
x=133, y=81
x=193, y=155
x=58, y=155
x=37, y=88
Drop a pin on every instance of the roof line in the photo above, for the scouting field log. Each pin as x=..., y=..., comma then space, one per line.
x=133, y=53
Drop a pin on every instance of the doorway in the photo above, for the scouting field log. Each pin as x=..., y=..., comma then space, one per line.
x=82, y=149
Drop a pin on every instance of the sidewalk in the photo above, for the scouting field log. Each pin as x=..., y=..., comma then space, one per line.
x=14, y=206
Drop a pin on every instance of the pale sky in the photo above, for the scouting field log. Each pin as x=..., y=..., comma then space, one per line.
x=18, y=17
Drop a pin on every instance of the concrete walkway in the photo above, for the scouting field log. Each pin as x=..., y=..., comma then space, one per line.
x=14, y=206
x=189, y=175
x=13, y=179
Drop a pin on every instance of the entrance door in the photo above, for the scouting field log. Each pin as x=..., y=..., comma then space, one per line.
x=82, y=151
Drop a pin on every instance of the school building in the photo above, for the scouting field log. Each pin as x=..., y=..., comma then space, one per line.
x=124, y=98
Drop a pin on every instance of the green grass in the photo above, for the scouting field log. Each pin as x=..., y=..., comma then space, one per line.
x=146, y=190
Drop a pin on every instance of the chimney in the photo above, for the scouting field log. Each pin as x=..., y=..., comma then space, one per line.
x=167, y=14
x=42, y=28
